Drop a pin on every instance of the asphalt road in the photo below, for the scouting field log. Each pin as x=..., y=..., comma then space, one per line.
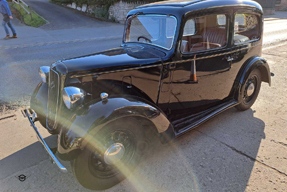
x=63, y=18
x=68, y=34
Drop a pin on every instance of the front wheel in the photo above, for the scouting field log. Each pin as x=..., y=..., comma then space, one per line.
x=111, y=155
x=250, y=90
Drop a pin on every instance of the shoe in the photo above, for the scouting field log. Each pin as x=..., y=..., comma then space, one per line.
x=14, y=36
x=7, y=37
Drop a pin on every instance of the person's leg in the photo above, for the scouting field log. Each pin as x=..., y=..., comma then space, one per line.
x=12, y=28
x=5, y=27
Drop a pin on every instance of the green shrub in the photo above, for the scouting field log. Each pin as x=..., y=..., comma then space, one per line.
x=33, y=19
x=100, y=3
x=101, y=12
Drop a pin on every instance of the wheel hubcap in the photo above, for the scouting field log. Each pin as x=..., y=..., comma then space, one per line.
x=114, y=153
x=117, y=146
x=250, y=89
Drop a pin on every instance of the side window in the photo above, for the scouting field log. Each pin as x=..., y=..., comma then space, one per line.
x=203, y=33
x=246, y=28
x=189, y=28
x=221, y=19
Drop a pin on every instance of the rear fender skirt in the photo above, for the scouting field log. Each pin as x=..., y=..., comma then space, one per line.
x=93, y=117
x=250, y=65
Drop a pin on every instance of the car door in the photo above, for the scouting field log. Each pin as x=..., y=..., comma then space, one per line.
x=207, y=80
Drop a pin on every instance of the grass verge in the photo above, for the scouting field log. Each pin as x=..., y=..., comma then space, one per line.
x=32, y=19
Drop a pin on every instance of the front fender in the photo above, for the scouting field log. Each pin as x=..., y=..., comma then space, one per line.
x=94, y=116
x=39, y=100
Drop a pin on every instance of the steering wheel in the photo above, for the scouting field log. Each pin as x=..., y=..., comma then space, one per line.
x=145, y=38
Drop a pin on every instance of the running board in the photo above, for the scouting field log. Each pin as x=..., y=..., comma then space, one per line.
x=210, y=115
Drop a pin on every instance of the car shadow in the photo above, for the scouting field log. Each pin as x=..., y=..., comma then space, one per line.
x=217, y=156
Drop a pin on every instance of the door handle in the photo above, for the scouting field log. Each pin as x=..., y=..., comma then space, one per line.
x=229, y=58
x=172, y=66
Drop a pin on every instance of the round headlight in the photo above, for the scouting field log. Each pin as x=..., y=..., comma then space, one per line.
x=44, y=73
x=73, y=96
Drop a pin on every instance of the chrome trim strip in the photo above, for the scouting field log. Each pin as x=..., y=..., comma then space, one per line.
x=202, y=120
x=57, y=102
x=167, y=63
x=42, y=141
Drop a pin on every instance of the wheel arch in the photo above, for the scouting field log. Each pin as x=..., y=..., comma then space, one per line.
x=94, y=116
x=38, y=102
x=251, y=64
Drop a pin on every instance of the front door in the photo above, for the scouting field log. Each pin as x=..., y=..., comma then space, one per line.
x=207, y=81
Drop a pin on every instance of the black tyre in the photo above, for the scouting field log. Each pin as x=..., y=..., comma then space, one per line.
x=114, y=152
x=250, y=90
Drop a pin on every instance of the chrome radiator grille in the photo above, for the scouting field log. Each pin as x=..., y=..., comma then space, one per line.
x=53, y=99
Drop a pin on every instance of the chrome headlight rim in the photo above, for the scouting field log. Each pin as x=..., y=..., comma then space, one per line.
x=44, y=73
x=73, y=96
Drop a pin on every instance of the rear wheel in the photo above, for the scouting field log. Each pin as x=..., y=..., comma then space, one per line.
x=250, y=90
x=111, y=156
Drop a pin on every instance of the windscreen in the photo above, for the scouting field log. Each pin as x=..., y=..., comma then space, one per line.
x=158, y=30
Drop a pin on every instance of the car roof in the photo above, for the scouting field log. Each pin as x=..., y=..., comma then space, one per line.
x=176, y=3
x=179, y=7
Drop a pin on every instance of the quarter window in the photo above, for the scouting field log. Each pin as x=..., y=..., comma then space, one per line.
x=221, y=19
x=246, y=28
x=203, y=33
x=189, y=28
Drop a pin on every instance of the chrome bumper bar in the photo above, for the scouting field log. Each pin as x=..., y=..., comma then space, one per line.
x=40, y=138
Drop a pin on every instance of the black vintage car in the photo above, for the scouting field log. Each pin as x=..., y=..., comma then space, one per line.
x=180, y=64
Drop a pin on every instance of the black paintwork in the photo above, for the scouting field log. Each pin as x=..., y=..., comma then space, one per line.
x=152, y=83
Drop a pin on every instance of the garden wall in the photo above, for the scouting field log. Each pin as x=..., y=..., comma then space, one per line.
x=281, y=5
x=116, y=12
x=119, y=10
x=268, y=6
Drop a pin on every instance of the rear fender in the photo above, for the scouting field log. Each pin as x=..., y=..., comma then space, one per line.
x=248, y=67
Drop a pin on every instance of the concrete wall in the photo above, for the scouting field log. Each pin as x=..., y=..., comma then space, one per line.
x=268, y=6
x=119, y=11
x=281, y=6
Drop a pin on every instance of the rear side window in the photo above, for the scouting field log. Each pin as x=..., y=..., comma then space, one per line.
x=203, y=33
x=189, y=28
x=246, y=28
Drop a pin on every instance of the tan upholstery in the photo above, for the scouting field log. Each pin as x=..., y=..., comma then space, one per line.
x=204, y=46
x=211, y=38
x=215, y=35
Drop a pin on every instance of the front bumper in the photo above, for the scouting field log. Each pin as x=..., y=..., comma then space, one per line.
x=42, y=141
